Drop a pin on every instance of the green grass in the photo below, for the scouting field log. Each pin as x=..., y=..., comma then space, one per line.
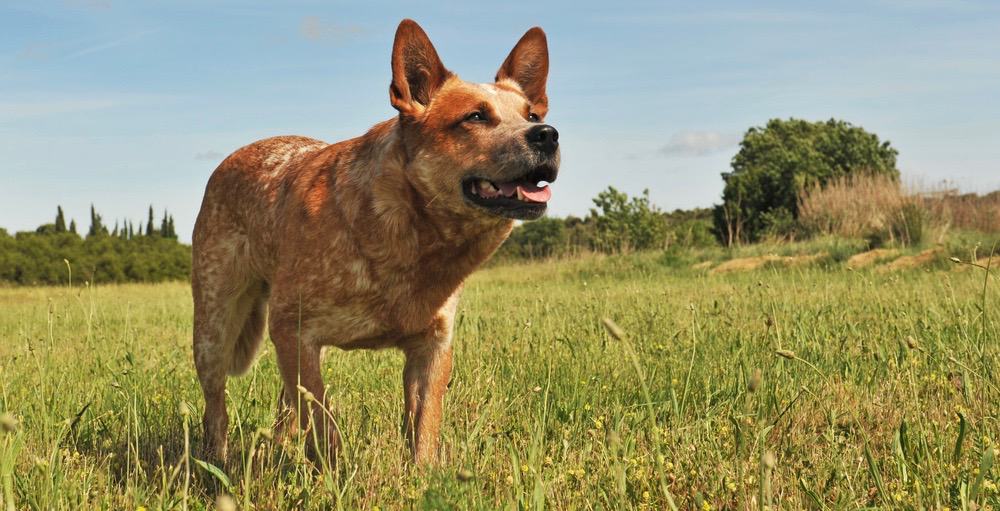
x=545, y=408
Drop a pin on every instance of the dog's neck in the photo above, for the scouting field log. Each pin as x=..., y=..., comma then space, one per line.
x=398, y=222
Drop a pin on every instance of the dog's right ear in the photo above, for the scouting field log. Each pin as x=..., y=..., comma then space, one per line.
x=417, y=71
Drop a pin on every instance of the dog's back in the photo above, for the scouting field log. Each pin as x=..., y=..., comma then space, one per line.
x=243, y=195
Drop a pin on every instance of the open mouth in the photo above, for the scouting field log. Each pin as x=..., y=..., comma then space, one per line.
x=522, y=198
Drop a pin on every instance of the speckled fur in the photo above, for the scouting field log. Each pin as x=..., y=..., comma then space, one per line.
x=360, y=244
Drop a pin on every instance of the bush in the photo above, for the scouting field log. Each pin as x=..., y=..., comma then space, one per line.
x=622, y=224
x=777, y=162
x=545, y=237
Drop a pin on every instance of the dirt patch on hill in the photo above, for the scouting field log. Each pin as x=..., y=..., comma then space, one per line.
x=744, y=264
x=704, y=265
x=803, y=260
x=754, y=263
x=913, y=261
x=871, y=257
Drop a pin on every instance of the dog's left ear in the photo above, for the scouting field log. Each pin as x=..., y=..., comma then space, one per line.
x=417, y=71
x=528, y=66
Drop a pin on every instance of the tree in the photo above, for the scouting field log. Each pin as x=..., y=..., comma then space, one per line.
x=167, y=226
x=149, y=225
x=72, y=226
x=97, y=227
x=776, y=162
x=626, y=224
x=60, y=220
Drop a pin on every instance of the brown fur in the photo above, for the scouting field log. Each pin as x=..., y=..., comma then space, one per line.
x=363, y=243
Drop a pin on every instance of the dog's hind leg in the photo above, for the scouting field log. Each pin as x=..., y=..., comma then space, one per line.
x=229, y=312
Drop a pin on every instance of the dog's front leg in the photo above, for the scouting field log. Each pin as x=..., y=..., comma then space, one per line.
x=304, y=393
x=425, y=379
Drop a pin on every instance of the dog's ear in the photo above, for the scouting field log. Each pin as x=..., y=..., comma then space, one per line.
x=417, y=71
x=528, y=66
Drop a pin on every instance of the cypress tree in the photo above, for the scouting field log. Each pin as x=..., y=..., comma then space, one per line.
x=149, y=224
x=60, y=220
x=115, y=232
x=165, y=225
x=96, y=226
x=72, y=226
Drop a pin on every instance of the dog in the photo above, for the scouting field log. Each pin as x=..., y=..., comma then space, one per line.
x=366, y=243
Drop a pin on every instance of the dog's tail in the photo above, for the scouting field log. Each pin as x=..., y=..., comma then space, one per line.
x=248, y=341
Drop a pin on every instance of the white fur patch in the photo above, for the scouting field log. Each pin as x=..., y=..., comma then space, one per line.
x=490, y=89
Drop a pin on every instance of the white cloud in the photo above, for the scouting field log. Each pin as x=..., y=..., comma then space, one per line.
x=699, y=143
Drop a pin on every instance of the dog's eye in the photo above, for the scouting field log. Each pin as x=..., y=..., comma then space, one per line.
x=533, y=117
x=475, y=117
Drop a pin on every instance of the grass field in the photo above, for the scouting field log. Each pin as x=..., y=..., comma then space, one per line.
x=795, y=388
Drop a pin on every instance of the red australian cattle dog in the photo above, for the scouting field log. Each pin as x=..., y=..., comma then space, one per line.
x=365, y=243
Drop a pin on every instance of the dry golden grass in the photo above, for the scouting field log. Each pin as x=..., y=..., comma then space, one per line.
x=857, y=206
x=966, y=211
x=884, y=211
x=871, y=257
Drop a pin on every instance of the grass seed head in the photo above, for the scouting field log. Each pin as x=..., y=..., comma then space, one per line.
x=306, y=393
x=790, y=355
x=184, y=409
x=911, y=342
x=613, y=329
x=265, y=433
x=769, y=460
x=225, y=503
x=753, y=383
x=465, y=475
x=8, y=423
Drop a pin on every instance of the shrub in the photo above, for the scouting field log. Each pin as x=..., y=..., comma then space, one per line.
x=544, y=237
x=622, y=223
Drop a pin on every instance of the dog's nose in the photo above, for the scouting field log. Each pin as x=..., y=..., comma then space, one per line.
x=543, y=137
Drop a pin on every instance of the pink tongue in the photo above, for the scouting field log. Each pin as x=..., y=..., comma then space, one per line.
x=534, y=193
x=531, y=193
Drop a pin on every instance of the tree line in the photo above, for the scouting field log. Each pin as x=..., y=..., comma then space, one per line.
x=55, y=253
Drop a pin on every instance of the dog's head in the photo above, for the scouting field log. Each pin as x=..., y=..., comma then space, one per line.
x=480, y=149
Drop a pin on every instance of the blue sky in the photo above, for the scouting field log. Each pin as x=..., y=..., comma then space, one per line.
x=124, y=104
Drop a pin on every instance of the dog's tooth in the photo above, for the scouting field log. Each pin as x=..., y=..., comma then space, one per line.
x=520, y=194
